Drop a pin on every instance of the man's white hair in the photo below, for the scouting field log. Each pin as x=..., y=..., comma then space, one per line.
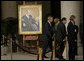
x=50, y=17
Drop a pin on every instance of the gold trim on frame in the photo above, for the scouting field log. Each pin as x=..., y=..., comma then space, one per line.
x=19, y=18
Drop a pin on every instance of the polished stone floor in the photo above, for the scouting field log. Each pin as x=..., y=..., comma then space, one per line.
x=26, y=56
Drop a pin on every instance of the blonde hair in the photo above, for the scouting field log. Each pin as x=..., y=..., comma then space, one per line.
x=56, y=20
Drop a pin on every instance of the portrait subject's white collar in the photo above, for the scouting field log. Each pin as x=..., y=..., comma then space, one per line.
x=27, y=16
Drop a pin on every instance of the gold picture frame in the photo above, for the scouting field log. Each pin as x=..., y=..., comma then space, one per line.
x=30, y=19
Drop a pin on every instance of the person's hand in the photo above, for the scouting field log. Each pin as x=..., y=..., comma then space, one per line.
x=75, y=40
x=22, y=19
x=64, y=40
x=53, y=36
x=57, y=44
x=24, y=25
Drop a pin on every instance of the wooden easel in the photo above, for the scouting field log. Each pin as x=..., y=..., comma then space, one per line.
x=31, y=37
x=3, y=45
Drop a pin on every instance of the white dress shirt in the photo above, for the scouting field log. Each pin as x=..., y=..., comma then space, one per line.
x=49, y=23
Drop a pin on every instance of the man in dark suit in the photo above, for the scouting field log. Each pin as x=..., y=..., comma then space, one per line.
x=60, y=36
x=28, y=23
x=76, y=32
x=71, y=38
x=48, y=36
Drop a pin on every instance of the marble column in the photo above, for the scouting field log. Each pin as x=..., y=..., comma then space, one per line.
x=8, y=9
x=69, y=8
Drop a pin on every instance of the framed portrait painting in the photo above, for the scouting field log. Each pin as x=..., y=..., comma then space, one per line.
x=30, y=19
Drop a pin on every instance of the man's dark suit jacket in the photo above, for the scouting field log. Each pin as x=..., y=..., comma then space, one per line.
x=76, y=31
x=27, y=23
x=71, y=32
x=30, y=24
x=48, y=31
x=61, y=32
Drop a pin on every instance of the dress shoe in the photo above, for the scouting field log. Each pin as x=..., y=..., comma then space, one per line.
x=63, y=59
x=45, y=56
